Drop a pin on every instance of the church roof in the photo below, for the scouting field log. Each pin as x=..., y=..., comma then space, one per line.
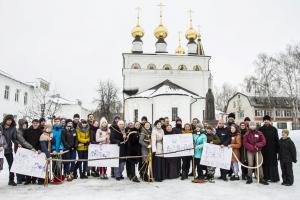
x=165, y=88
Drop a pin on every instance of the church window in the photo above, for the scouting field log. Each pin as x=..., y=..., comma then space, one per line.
x=25, y=98
x=135, y=66
x=197, y=68
x=182, y=67
x=174, y=113
x=17, y=94
x=6, y=92
x=136, y=115
x=167, y=67
x=151, y=66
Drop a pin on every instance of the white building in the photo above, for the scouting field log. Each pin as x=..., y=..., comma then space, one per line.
x=20, y=99
x=161, y=84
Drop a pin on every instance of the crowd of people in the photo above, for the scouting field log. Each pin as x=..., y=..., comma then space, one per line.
x=69, y=139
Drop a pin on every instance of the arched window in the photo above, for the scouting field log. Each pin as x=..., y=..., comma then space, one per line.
x=167, y=67
x=197, y=68
x=135, y=66
x=182, y=67
x=151, y=66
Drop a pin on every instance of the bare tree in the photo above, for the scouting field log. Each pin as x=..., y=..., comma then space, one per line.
x=43, y=104
x=108, y=99
x=222, y=95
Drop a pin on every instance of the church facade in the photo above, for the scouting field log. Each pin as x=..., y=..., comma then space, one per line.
x=162, y=84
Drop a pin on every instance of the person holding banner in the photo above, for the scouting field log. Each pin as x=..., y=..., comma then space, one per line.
x=102, y=137
x=32, y=136
x=212, y=139
x=186, y=161
x=225, y=138
x=145, y=142
x=159, y=166
x=70, y=142
x=172, y=170
x=199, y=139
x=235, y=144
x=118, y=136
x=254, y=141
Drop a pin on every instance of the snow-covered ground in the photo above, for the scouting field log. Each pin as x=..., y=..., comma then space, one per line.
x=93, y=188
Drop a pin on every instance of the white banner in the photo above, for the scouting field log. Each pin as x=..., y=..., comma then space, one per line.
x=29, y=163
x=216, y=156
x=178, y=142
x=103, y=151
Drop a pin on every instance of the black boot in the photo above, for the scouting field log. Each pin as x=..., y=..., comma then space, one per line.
x=263, y=182
x=135, y=179
x=12, y=183
x=249, y=180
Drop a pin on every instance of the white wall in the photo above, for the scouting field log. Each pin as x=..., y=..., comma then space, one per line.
x=67, y=111
x=10, y=106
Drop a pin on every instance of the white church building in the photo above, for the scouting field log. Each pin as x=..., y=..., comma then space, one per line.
x=163, y=84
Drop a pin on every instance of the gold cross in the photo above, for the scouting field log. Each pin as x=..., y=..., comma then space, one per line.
x=161, y=5
x=138, y=15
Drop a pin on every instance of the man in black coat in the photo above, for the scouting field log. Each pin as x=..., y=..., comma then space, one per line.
x=10, y=134
x=32, y=136
x=224, y=135
x=270, y=150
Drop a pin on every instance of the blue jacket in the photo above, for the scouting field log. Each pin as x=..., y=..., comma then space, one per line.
x=199, y=141
x=57, y=144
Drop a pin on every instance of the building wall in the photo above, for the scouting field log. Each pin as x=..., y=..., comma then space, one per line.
x=240, y=104
x=162, y=107
x=10, y=106
x=67, y=111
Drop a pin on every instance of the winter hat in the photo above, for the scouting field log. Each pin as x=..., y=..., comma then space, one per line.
x=231, y=115
x=266, y=117
x=242, y=123
x=247, y=119
x=68, y=120
x=144, y=118
x=102, y=120
x=76, y=116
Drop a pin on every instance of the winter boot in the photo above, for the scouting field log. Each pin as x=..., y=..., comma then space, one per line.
x=249, y=180
x=135, y=179
x=263, y=182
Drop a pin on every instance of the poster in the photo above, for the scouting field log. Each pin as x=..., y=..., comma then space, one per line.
x=103, y=151
x=178, y=142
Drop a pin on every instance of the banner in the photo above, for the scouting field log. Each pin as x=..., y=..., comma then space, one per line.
x=103, y=151
x=216, y=156
x=29, y=163
x=178, y=142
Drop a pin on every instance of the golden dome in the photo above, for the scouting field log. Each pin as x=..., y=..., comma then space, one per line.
x=137, y=31
x=191, y=34
x=179, y=50
x=161, y=32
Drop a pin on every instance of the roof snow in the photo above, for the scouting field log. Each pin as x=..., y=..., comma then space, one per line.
x=165, y=88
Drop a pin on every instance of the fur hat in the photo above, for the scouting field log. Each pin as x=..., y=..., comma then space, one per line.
x=231, y=115
x=266, y=117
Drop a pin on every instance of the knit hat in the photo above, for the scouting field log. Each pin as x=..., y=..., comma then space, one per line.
x=266, y=117
x=231, y=115
x=68, y=120
x=199, y=125
x=242, y=124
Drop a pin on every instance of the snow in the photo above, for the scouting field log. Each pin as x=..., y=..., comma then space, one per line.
x=93, y=188
x=163, y=90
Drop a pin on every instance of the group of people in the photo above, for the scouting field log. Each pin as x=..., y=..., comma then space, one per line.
x=69, y=139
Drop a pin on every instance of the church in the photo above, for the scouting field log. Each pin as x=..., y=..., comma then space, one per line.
x=162, y=84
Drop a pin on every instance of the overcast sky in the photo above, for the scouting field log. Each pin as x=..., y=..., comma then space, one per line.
x=75, y=43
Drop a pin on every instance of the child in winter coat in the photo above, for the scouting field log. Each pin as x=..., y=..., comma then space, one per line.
x=45, y=140
x=102, y=137
x=200, y=139
x=212, y=139
x=3, y=146
x=287, y=155
x=235, y=144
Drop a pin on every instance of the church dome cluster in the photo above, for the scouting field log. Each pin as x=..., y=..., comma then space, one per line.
x=194, y=45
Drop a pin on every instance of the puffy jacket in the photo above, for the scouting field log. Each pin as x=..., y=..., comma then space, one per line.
x=199, y=141
x=236, y=143
x=287, y=150
x=57, y=144
x=254, y=141
x=69, y=138
x=10, y=137
x=32, y=136
x=213, y=138
x=83, y=136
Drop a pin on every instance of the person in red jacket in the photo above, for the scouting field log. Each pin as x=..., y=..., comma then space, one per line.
x=253, y=141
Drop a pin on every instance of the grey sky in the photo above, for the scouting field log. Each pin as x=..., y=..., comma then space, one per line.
x=75, y=43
